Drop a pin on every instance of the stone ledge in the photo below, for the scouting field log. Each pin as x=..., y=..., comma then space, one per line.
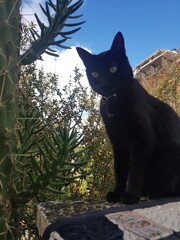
x=48, y=212
x=165, y=212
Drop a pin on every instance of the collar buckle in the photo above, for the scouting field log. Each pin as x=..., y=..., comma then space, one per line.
x=113, y=95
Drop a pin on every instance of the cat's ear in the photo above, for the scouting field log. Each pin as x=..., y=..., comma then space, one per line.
x=84, y=55
x=118, y=44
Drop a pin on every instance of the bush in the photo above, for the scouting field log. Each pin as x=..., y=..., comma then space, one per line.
x=164, y=84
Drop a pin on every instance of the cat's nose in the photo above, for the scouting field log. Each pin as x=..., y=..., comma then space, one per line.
x=104, y=82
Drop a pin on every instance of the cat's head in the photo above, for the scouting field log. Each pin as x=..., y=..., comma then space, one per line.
x=109, y=70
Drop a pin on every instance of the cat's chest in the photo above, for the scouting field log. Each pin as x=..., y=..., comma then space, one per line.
x=117, y=109
x=118, y=117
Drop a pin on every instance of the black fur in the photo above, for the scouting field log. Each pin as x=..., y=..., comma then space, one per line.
x=144, y=131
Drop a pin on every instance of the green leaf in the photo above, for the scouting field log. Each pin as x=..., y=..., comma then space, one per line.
x=46, y=159
x=33, y=35
x=65, y=168
x=55, y=191
x=69, y=32
x=48, y=13
x=44, y=11
x=74, y=17
x=80, y=162
x=52, y=54
x=36, y=166
x=58, y=42
x=38, y=21
x=73, y=24
x=74, y=7
x=70, y=179
x=51, y=50
x=50, y=145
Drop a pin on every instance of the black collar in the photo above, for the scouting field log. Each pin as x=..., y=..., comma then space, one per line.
x=113, y=95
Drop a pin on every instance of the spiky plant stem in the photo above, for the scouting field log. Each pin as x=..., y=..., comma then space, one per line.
x=10, y=61
x=9, y=55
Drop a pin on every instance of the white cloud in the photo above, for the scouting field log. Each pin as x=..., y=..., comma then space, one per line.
x=64, y=65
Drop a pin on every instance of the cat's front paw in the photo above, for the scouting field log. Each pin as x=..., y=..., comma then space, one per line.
x=113, y=197
x=128, y=198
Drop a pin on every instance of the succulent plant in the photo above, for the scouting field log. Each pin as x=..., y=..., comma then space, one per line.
x=53, y=34
x=9, y=70
x=10, y=62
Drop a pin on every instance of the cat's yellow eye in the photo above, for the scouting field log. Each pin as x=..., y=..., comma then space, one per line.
x=95, y=74
x=113, y=69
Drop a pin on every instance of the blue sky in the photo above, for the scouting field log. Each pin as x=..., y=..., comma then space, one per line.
x=146, y=25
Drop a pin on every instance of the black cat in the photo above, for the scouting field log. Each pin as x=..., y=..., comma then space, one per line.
x=144, y=132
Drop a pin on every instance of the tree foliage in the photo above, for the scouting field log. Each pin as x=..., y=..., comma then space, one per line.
x=25, y=140
x=165, y=84
x=77, y=107
x=51, y=153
